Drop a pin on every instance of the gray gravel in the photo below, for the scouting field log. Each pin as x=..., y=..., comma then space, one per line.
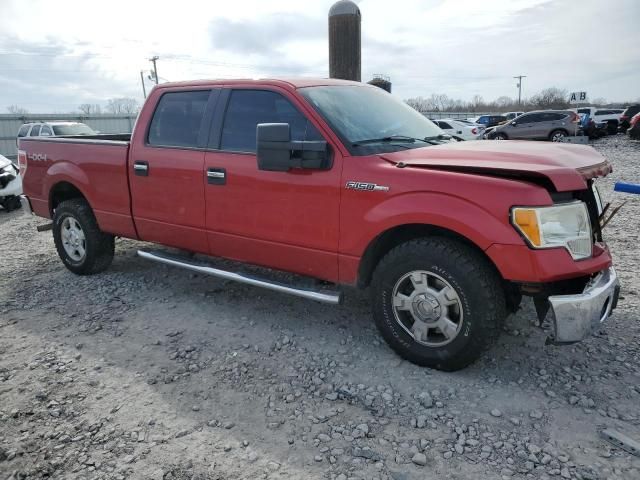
x=146, y=371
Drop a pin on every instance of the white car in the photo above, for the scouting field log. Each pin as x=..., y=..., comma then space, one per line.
x=53, y=129
x=608, y=116
x=460, y=129
x=512, y=115
x=10, y=185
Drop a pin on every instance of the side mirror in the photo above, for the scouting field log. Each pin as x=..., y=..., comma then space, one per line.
x=277, y=153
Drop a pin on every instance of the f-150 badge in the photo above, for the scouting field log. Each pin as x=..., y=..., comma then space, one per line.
x=367, y=187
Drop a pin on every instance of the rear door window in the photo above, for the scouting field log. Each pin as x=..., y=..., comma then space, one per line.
x=445, y=125
x=35, y=131
x=177, y=121
x=45, y=131
x=248, y=108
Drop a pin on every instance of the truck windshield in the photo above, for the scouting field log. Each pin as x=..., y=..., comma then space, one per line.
x=73, y=129
x=370, y=120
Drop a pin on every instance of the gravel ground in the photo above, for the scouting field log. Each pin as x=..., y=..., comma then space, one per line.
x=147, y=371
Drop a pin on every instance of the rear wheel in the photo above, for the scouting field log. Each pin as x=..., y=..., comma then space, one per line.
x=500, y=136
x=558, y=135
x=81, y=245
x=437, y=302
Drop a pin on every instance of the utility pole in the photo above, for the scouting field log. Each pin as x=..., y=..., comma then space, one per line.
x=519, y=85
x=155, y=67
x=144, y=89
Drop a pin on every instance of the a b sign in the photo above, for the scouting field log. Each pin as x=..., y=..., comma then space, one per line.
x=578, y=97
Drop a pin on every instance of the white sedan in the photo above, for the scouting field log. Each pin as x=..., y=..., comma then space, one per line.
x=459, y=129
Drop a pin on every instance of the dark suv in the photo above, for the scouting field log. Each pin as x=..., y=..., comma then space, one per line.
x=626, y=116
x=490, y=120
x=551, y=125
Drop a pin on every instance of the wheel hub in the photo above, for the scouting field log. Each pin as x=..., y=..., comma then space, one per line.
x=426, y=308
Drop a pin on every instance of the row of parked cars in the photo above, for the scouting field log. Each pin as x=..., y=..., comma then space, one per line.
x=553, y=125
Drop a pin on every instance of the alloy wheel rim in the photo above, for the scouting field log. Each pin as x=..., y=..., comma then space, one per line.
x=74, y=241
x=428, y=308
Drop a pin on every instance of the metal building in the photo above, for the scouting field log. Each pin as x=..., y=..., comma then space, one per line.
x=10, y=124
x=344, y=41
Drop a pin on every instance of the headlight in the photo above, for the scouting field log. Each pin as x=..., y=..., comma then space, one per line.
x=564, y=225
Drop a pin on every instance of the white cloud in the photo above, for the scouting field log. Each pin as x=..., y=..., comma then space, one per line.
x=67, y=53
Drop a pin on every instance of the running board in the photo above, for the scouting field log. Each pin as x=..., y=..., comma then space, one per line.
x=324, y=296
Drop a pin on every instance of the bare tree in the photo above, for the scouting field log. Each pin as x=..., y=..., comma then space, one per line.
x=421, y=104
x=550, y=98
x=123, y=106
x=17, y=110
x=90, y=109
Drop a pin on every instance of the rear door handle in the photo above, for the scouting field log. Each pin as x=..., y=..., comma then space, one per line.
x=216, y=176
x=141, y=169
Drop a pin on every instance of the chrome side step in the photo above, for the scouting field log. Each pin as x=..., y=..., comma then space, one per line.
x=324, y=296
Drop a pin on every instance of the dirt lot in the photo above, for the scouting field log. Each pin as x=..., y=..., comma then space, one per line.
x=147, y=371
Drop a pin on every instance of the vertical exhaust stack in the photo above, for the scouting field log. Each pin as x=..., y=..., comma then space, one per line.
x=344, y=41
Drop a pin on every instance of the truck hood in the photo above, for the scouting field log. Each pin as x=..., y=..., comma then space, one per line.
x=566, y=166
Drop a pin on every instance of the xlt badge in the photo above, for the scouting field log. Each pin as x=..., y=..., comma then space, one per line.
x=368, y=187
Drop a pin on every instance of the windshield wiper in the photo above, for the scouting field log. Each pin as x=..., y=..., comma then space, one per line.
x=434, y=140
x=389, y=139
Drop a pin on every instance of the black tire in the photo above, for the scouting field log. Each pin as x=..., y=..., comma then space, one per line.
x=557, y=135
x=11, y=203
x=99, y=247
x=475, y=281
x=500, y=136
x=612, y=128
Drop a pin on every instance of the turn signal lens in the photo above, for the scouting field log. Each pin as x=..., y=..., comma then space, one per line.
x=527, y=222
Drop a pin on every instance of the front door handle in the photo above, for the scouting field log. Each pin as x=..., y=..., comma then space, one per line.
x=216, y=176
x=141, y=169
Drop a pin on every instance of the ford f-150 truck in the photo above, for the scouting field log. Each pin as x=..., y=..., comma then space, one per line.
x=344, y=183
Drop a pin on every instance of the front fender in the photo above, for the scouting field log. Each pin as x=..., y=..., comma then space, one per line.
x=457, y=214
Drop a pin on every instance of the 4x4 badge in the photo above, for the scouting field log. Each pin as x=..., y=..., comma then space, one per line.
x=367, y=187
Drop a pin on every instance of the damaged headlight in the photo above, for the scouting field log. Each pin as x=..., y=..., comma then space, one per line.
x=563, y=225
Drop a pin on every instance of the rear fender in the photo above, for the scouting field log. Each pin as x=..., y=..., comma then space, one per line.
x=66, y=172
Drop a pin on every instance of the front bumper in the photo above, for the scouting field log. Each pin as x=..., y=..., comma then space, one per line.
x=575, y=317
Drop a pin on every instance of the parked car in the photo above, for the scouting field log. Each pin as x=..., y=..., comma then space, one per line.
x=53, y=129
x=342, y=182
x=512, y=115
x=10, y=185
x=460, y=130
x=626, y=117
x=490, y=120
x=552, y=125
x=610, y=116
x=634, y=127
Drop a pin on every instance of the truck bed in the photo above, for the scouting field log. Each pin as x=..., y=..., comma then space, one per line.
x=96, y=165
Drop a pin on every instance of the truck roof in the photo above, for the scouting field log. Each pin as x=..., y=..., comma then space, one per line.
x=292, y=83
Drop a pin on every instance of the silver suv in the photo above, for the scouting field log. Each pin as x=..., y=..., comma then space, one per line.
x=552, y=125
x=53, y=129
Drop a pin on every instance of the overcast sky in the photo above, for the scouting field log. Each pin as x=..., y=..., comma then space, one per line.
x=55, y=55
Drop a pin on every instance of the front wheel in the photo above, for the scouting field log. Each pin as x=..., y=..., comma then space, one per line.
x=437, y=302
x=500, y=136
x=557, y=136
x=82, y=246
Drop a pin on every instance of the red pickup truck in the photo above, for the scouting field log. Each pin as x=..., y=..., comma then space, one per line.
x=344, y=183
